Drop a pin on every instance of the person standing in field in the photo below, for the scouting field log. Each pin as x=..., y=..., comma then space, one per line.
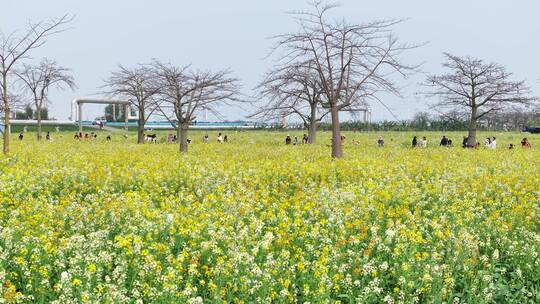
x=225, y=138
x=48, y=136
x=21, y=136
x=444, y=141
x=219, y=138
x=380, y=141
x=288, y=140
x=525, y=143
x=487, y=142
x=305, y=139
x=465, y=141
x=493, y=144
x=423, y=142
x=295, y=141
x=414, y=142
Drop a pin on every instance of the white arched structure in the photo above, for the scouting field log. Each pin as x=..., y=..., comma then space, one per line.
x=77, y=103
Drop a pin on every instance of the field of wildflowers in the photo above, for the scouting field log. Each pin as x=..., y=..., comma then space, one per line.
x=255, y=221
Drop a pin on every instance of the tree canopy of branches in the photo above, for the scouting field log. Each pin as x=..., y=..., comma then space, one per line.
x=183, y=93
x=14, y=48
x=476, y=89
x=353, y=62
x=293, y=90
x=138, y=86
x=39, y=79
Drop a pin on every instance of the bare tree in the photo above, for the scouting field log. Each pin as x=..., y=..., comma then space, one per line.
x=354, y=62
x=183, y=93
x=39, y=78
x=476, y=89
x=293, y=90
x=14, y=48
x=138, y=86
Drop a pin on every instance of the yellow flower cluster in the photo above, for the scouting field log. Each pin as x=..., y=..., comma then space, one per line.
x=255, y=221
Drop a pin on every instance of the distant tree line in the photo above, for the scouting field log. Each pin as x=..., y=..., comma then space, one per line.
x=29, y=113
x=114, y=113
x=514, y=120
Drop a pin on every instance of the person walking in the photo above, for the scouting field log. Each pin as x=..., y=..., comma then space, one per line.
x=414, y=142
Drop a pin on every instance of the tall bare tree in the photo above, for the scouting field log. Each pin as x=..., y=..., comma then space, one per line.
x=354, y=62
x=476, y=89
x=293, y=90
x=184, y=93
x=138, y=86
x=14, y=48
x=39, y=79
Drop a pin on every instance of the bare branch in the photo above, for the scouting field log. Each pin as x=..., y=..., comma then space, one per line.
x=138, y=86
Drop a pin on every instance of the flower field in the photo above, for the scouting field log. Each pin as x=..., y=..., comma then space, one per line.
x=255, y=221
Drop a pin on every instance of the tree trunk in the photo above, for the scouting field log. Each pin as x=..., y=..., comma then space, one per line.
x=38, y=117
x=337, y=151
x=312, y=136
x=140, y=128
x=471, y=141
x=7, y=129
x=182, y=137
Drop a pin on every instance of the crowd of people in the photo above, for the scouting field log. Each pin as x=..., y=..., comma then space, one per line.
x=88, y=136
x=172, y=138
x=489, y=142
x=47, y=136
x=294, y=141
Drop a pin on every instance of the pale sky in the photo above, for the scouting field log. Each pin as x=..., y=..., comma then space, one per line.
x=234, y=34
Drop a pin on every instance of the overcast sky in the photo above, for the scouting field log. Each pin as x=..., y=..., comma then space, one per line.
x=234, y=34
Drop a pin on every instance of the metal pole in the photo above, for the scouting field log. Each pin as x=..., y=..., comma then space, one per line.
x=80, y=117
x=126, y=109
